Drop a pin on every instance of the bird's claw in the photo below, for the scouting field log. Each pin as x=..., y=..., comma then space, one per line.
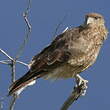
x=81, y=82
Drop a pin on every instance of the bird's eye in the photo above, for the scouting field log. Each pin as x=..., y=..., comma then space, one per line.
x=96, y=18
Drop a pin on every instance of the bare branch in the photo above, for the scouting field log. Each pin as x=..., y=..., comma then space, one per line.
x=20, y=62
x=25, y=16
x=13, y=63
x=13, y=100
x=76, y=93
x=4, y=62
x=6, y=54
x=7, y=62
x=58, y=26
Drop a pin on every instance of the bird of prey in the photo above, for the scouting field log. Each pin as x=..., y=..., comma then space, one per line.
x=69, y=54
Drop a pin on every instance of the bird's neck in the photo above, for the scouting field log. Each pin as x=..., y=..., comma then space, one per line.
x=99, y=30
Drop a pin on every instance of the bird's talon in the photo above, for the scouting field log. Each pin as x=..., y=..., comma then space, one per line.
x=81, y=82
x=83, y=93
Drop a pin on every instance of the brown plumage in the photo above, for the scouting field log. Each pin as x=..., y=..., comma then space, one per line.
x=70, y=53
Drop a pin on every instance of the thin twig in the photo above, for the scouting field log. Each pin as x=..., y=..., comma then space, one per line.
x=13, y=100
x=4, y=62
x=76, y=93
x=25, y=64
x=12, y=61
x=13, y=70
x=6, y=54
x=58, y=26
x=7, y=62
x=12, y=64
x=25, y=16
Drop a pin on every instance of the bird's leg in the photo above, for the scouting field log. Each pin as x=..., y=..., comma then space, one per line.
x=81, y=82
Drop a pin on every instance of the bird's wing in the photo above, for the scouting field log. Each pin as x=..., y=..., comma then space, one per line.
x=52, y=56
x=55, y=54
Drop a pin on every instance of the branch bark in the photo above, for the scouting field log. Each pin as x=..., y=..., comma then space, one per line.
x=12, y=61
x=28, y=30
x=13, y=100
x=3, y=52
x=76, y=93
x=7, y=62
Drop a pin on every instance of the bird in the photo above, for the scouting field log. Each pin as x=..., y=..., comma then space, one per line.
x=69, y=54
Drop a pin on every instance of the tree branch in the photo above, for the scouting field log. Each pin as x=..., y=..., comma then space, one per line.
x=12, y=61
x=76, y=93
x=25, y=16
x=13, y=100
x=4, y=62
x=7, y=62
x=12, y=65
x=2, y=51
x=20, y=62
x=12, y=104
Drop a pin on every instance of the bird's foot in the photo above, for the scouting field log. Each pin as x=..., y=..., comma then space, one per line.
x=81, y=83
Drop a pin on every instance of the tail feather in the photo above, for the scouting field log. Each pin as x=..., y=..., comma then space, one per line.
x=20, y=84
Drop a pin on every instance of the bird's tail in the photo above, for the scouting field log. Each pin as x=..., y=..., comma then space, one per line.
x=19, y=85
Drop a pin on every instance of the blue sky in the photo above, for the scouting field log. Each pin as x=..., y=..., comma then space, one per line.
x=45, y=15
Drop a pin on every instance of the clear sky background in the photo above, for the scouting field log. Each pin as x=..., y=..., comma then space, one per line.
x=45, y=15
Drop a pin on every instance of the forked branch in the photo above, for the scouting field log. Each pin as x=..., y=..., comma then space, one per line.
x=12, y=61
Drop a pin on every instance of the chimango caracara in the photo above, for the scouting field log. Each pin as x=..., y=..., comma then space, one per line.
x=68, y=54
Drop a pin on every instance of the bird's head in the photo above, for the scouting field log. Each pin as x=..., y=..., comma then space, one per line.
x=94, y=19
